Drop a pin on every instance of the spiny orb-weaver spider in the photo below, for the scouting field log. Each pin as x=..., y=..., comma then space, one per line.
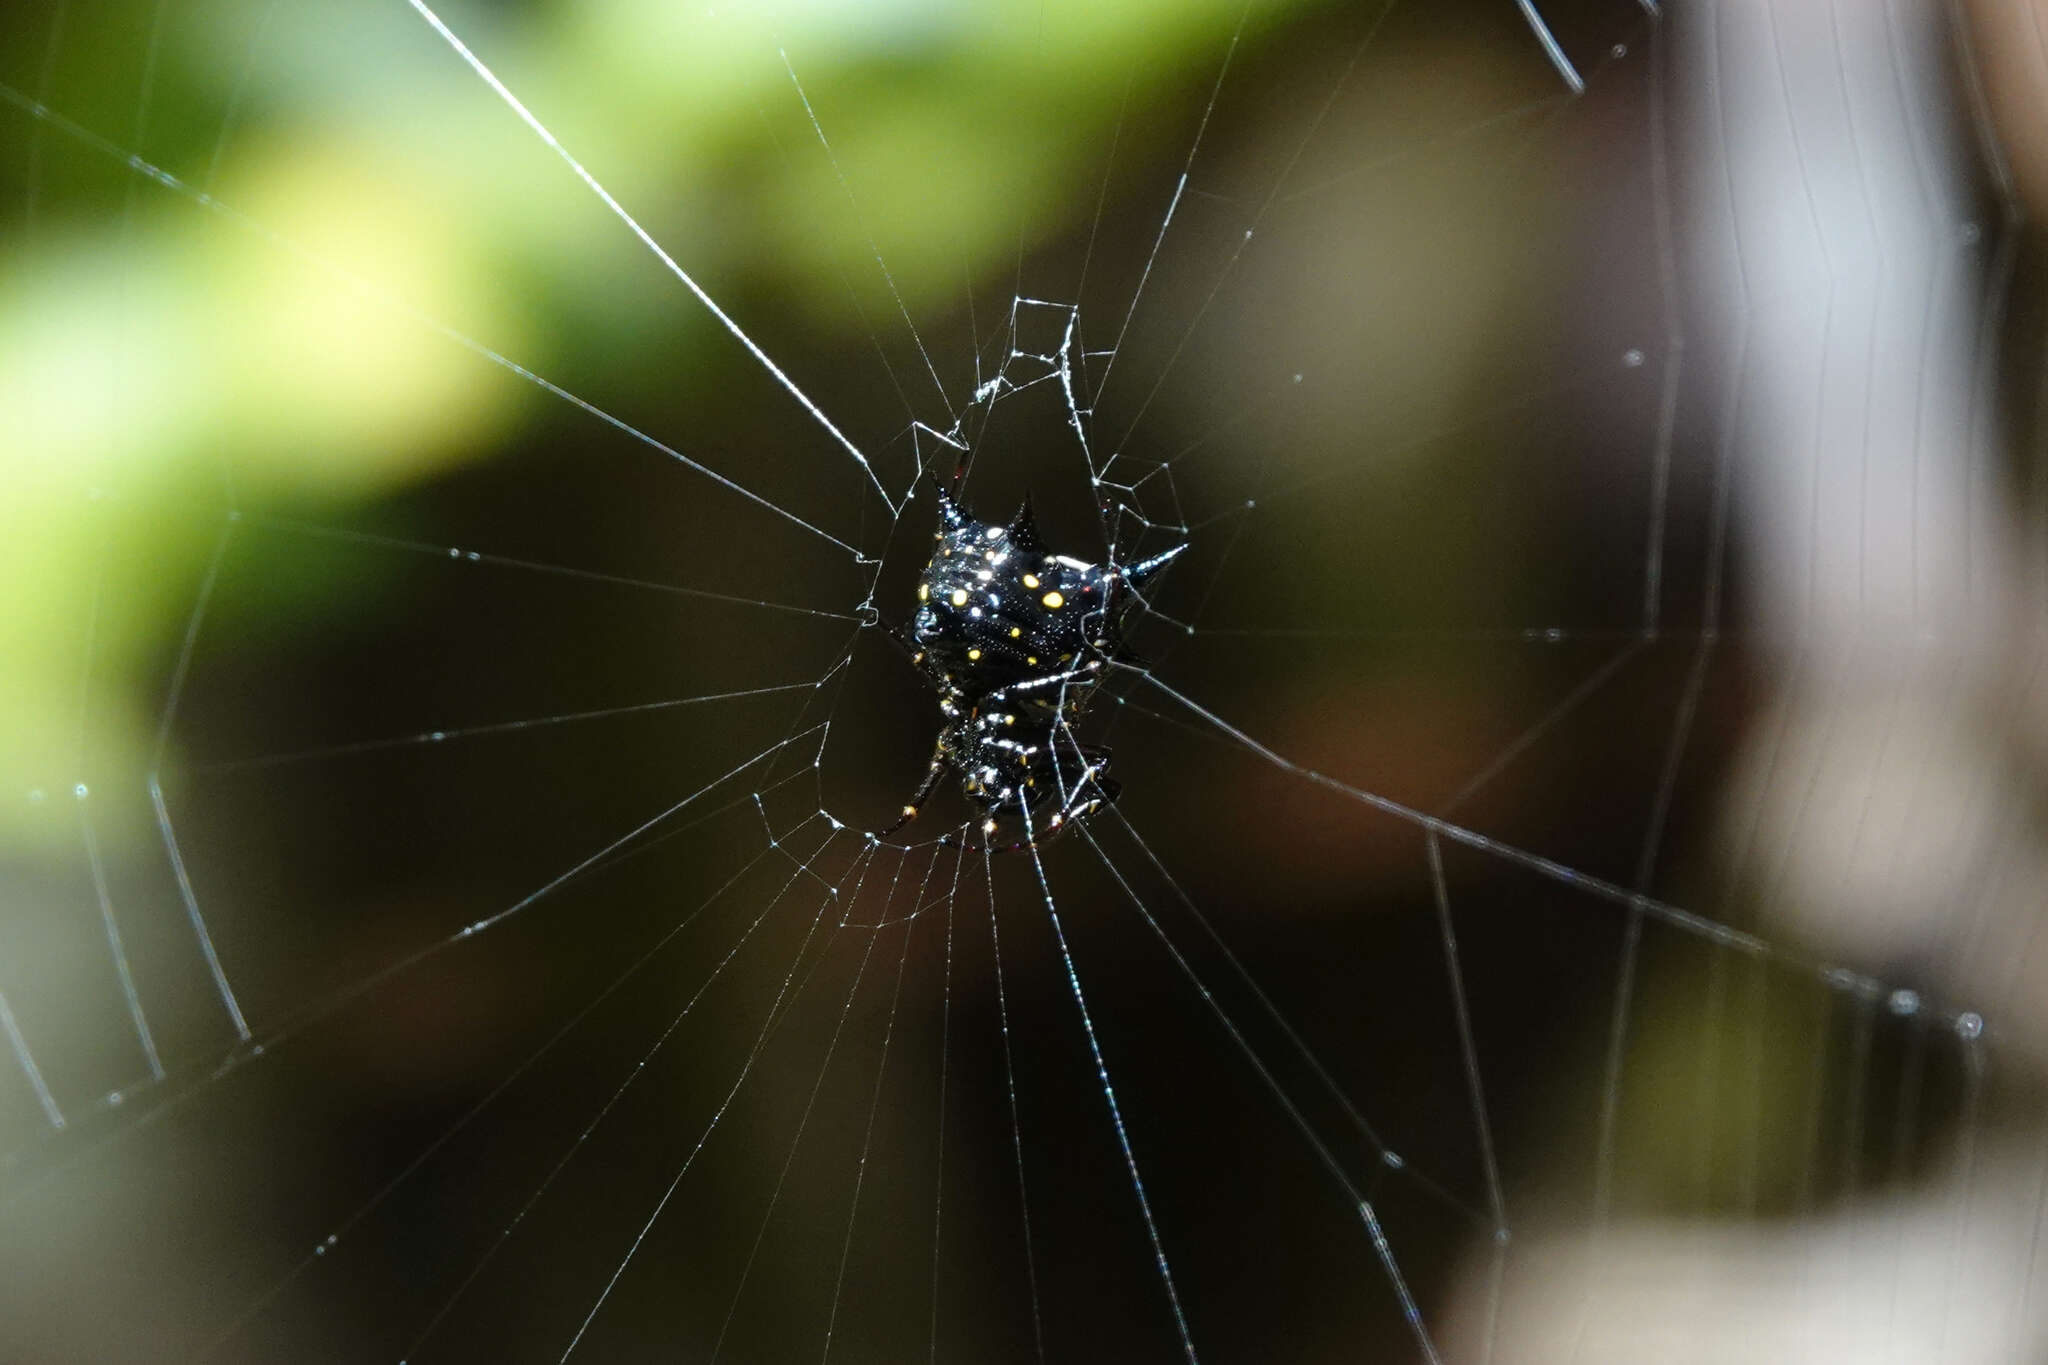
x=1015, y=640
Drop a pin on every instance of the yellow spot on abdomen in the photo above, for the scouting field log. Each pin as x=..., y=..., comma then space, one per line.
x=1054, y=600
x=1031, y=580
x=974, y=654
x=959, y=597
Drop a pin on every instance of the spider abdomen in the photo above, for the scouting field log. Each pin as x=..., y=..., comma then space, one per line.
x=995, y=609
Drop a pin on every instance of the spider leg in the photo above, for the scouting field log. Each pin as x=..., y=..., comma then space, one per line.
x=1065, y=819
x=924, y=790
x=1092, y=790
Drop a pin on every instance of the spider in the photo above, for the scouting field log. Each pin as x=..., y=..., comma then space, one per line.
x=1014, y=640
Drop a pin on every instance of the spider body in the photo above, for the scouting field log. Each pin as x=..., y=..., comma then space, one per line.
x=1015, y=639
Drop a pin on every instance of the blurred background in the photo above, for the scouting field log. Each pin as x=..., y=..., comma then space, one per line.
x=1577, y=885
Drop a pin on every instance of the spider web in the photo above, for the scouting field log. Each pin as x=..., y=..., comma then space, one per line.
x=485, y=954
